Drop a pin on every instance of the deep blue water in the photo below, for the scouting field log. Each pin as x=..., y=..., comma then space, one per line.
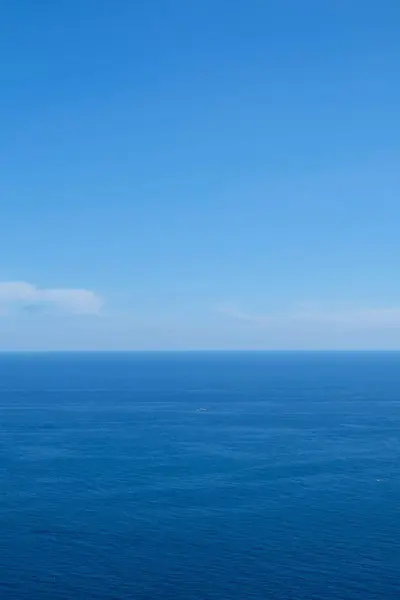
x=114, y=485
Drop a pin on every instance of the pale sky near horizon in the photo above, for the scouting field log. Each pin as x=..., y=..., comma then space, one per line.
x=193, y=175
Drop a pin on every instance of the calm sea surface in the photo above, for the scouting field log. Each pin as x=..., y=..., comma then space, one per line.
x=200, y=476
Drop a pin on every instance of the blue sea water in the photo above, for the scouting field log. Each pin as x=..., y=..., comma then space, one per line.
x=200, y=476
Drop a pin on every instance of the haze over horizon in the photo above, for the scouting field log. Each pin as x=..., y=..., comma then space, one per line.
x=201, y=176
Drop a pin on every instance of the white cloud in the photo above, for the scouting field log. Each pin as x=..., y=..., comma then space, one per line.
x=380, y=317
x=21, y=296
x=353, y=317
x=230, y=310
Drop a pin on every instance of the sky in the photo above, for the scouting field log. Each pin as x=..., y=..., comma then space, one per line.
x=179, y=174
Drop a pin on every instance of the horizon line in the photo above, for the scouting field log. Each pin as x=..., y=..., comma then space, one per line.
x=196, y=350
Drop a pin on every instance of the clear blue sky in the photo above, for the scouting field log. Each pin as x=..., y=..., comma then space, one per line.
x=200, y=174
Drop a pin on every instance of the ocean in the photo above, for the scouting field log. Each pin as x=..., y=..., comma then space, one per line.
x=200, y=476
